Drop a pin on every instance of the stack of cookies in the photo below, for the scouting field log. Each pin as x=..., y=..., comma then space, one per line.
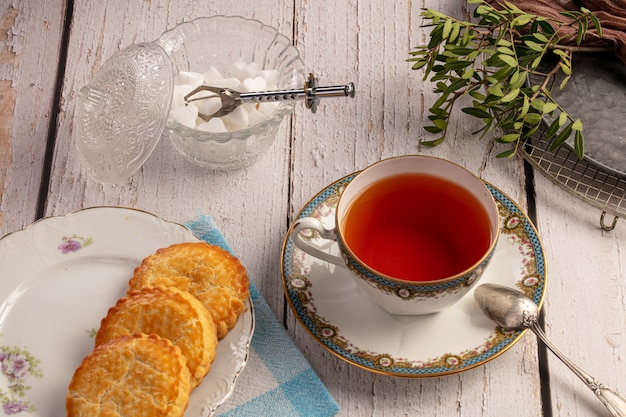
x=159, y=341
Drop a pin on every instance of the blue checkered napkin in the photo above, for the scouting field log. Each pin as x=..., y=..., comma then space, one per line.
x=275, y=382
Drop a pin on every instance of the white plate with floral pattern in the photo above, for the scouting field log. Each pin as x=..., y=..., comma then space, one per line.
x=58, y=279
x=327, y=303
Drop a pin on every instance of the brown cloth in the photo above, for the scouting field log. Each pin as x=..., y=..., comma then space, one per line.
x=610, y=13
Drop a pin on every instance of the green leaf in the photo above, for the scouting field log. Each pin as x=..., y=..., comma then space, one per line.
x=579, y=144
x=511, y=137
x=477, y=95
x=537, y=104
x=435, y=37
x=533, y=118
x=536, y=62
x=596, y=23
x=447, y=27
x=510, y=61
x=512, y=95
x=521, y=20
x=567, y=70
x=571, y=14
x=489, y=59
x=518, y=79
x=432, y=129
x=503, y=73
x=456, y=65
x=469, y=73
x=534, y=46
x=461, y=51
x=438, y=103
x=506, y=154
x=476, y=112
x=496, y=90
x=582, y=30
x=419, y=64
x=433, y=142
x=530, y=132
x=554, y=127
x=561, y=138
x=549, y=107
x=454, y=33
x=504, y=42
x=505, y=50
x=546, y=27
x=455, y=85
x=440, y=123
x=525, y=106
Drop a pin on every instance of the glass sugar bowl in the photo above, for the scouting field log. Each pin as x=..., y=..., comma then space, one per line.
x=137, y=97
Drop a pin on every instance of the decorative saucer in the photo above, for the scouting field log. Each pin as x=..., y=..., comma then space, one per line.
x=327, y=303
x=60, y=276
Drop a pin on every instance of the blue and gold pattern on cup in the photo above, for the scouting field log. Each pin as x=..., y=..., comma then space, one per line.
x=397, y=296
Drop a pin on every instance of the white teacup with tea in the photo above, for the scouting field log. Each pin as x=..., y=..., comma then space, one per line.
x=416, y=232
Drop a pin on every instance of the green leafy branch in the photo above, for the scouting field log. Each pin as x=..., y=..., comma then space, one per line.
x=497, y=61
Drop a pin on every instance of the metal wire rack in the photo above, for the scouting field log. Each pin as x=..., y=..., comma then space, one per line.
x=591, y=182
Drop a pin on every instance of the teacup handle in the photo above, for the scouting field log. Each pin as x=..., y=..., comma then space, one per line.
x=309, y=223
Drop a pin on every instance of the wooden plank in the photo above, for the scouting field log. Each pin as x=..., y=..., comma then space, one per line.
x=369, y=44
x=585, y=316
x=30, y=36
x=365, y=42
x=246, y=204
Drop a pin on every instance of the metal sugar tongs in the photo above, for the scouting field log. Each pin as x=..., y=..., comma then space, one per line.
x=232, y=99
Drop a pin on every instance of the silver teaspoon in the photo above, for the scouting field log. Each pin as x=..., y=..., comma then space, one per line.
x=513, y=310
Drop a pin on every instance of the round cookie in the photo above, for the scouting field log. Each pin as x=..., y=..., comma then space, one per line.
x=208, y=272
x=170, y=313
x=131, y=376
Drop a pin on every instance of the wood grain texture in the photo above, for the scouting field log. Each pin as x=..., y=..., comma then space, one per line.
x=368, y=43
x=246, y=204
x=30, y=37
x=584, y=308
x=365, y=42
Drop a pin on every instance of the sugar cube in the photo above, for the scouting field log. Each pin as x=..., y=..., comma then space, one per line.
x=231, y=82
x=214, y=125
x=194, y=79
x=210, y=105
x=240, y=76
x=180, y=91
x=237, y=119
x=211, y=74
x=252, y=84
x=185, y=115
x=271, y=78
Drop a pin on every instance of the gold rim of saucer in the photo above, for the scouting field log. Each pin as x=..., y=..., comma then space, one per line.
x=491, y=340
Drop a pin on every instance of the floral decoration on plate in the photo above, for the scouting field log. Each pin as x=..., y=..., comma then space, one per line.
x=59, y=278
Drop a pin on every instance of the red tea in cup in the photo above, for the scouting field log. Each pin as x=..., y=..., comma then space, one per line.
x=415, y=232
x=417, y=227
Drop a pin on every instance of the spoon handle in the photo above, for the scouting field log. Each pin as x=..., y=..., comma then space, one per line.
x=612, y=400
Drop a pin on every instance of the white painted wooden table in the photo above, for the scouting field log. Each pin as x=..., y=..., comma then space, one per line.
x=51, y=48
